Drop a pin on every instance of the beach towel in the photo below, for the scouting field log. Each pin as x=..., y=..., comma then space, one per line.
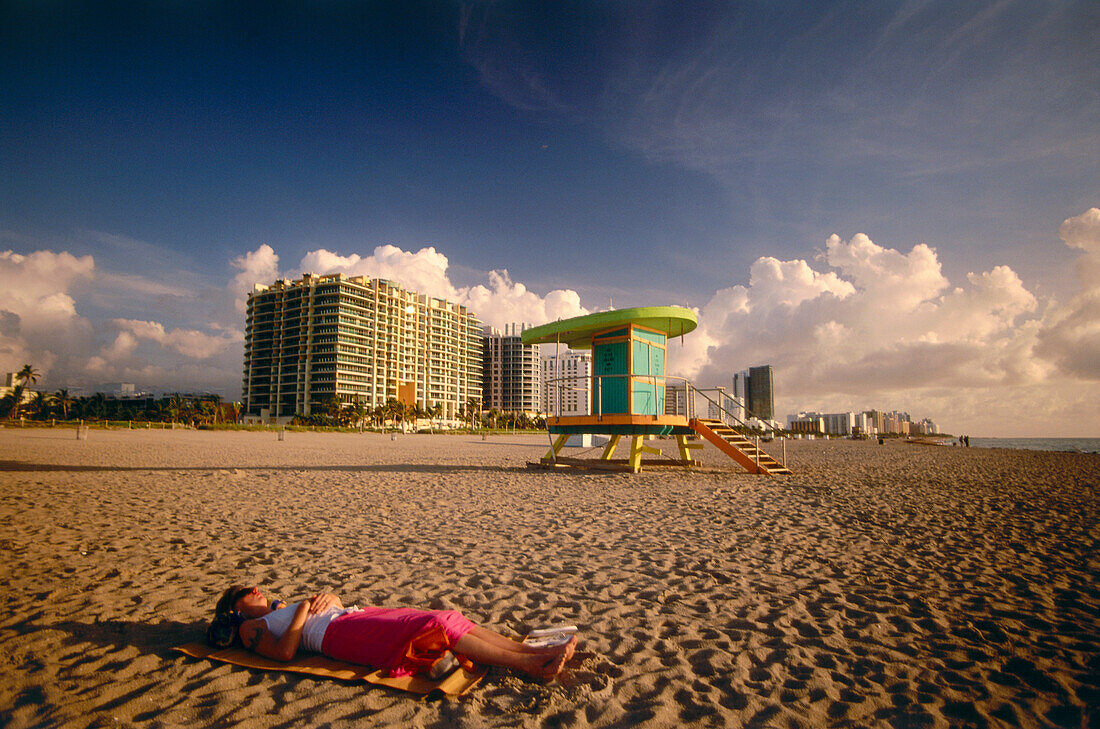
x=315, y=664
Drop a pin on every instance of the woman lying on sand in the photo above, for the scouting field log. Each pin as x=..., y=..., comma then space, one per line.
x=373, y=636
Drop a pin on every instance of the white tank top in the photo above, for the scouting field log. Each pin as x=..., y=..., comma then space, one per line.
x=313, y=632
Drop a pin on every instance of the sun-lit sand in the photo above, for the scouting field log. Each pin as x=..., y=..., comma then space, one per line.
x=891, y=585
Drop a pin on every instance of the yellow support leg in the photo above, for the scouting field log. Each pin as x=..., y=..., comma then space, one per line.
x=686, y=448
x=559, y=443
x=636, y=451
x=609, y=449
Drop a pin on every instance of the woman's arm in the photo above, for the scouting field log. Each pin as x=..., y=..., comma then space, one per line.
x=256, y=637
x=322, y=601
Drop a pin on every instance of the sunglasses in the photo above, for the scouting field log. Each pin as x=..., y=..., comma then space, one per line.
x=238, y=595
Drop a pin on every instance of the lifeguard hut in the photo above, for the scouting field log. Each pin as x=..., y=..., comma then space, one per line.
x=626, y=392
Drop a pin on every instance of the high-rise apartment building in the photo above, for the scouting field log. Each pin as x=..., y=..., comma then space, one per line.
x=511, y=376
x=754, y=388
x=308, y=340
x=676, y=399
x=566, y=382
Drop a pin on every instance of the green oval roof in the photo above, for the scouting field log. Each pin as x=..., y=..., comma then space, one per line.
x=577, y=332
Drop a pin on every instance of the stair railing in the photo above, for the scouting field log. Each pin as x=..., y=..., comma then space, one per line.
x=723, y=410
x=723, y=414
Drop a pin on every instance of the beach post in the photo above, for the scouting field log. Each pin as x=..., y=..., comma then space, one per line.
x=784, y=451
x=282, y=434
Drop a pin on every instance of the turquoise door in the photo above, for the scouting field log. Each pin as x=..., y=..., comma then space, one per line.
x=648, y=386
x=610, y=393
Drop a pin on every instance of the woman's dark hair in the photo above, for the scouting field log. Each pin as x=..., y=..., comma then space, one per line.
x=222, y=631
x=227, y=603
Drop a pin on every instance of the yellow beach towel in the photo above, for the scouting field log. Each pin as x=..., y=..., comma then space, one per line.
x=314, y=664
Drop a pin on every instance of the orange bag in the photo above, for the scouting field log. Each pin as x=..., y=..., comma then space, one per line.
x=430, y=647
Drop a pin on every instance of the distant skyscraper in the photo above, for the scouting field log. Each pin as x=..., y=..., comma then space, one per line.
x=754, y=388
x=510, y=371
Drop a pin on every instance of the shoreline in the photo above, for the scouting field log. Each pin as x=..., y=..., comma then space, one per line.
x=879, y=585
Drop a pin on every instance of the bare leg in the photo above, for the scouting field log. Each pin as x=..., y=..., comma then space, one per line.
x=503, y=641
x=494, y=653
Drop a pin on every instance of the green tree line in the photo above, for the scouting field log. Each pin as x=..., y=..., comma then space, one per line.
x=394, y=413
x=206, y=409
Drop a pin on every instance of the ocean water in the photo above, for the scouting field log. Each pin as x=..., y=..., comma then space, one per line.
x=1073, y=445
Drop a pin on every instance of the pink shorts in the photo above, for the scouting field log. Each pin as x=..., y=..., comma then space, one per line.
x=378, y=636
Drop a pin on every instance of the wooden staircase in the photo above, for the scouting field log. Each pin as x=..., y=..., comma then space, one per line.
x=737, y=447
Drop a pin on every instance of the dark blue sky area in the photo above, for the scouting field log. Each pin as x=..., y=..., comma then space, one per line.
x=551, y=139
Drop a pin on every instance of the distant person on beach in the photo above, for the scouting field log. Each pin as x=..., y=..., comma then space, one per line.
x=371, y=636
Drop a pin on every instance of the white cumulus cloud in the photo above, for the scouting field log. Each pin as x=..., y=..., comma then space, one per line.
x=260, y=266
x=424, y=271
x=498, y=301
x=188, y=342
x=38, y=315
x=885, y=328
x=505, y=301
x=1071, y=337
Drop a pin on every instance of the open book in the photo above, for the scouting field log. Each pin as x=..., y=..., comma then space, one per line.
x=554, y=635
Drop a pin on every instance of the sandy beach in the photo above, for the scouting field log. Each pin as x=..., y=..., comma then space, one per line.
x=894, y=585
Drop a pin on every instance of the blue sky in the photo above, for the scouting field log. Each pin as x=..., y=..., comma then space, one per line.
x=640, y=153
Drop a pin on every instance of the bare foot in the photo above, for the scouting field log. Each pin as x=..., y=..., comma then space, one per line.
x=548, y=665
x=570, y=647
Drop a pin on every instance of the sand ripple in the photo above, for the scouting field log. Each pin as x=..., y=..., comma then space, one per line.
x=880, y=586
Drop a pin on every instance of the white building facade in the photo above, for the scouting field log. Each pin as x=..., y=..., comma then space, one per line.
x=566, y=382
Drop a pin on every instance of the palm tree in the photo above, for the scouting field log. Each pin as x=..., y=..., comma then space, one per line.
x=63, y=401
x=8, y=402
x=29, y=375
x=417, y=411
x=40, y=405
x=395, y=409
x=97, y=405
x=332, y=407
x=16, y=400
x=175, y=407
x=358, y=409
x=473, y=410
x=216, y=402
x=155, y=411
x=434, y=413
x=26, y=376
x=206, y=412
